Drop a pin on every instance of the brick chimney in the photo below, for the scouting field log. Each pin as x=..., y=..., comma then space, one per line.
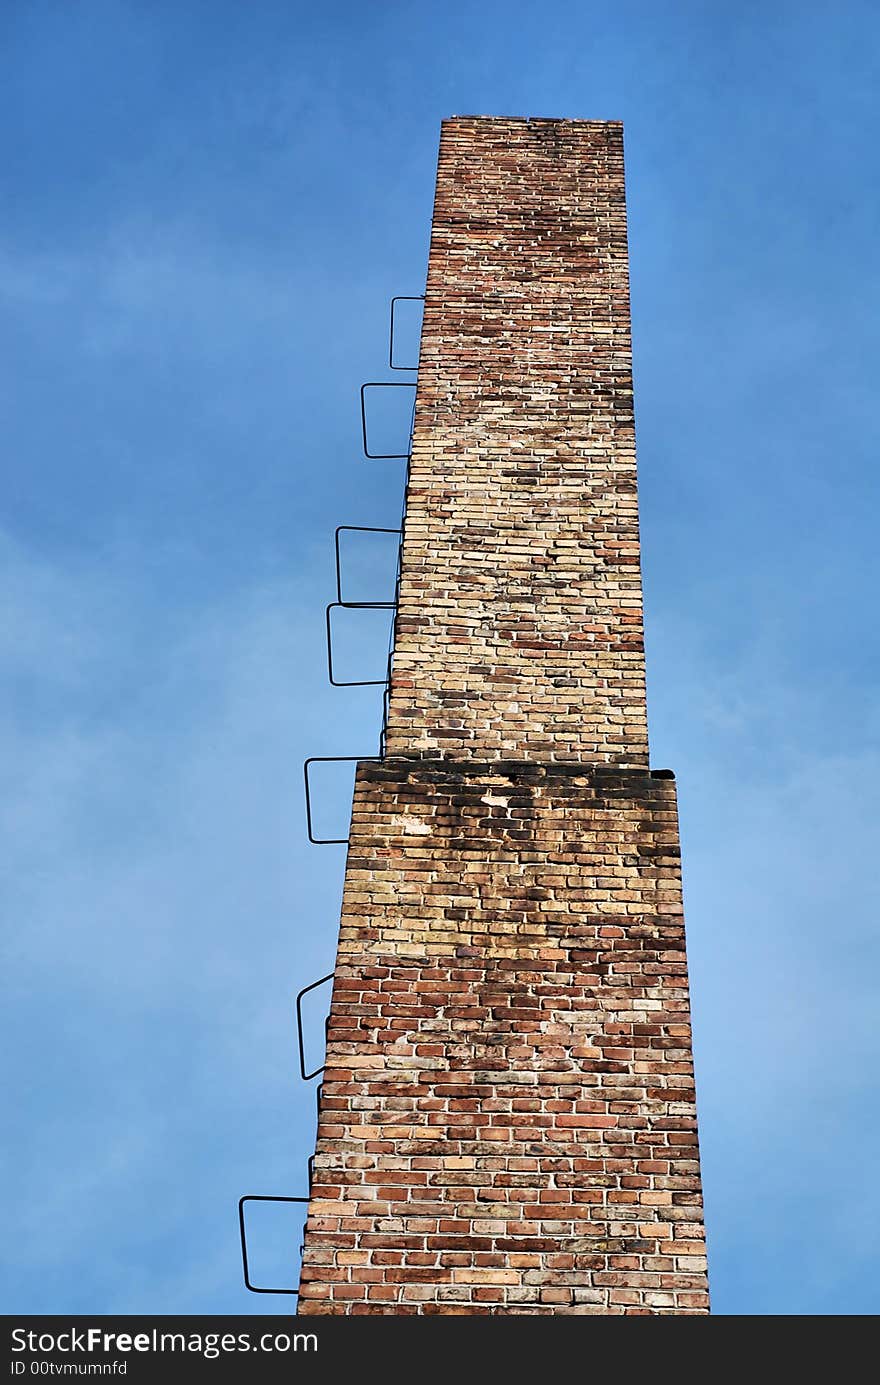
x=508, y=1123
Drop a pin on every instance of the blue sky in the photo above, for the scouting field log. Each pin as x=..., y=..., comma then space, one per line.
x=206, y=210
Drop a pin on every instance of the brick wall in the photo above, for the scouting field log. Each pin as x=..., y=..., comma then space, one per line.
x=508, y=1120
x=519, y=631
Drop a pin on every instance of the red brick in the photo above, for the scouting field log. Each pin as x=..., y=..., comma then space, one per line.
x=509, y=1082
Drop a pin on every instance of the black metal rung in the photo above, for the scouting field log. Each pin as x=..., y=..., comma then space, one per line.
x=324, y=760
x=358, y=605
x=385, y=385
x=256, y=1197
x=357, y=682
x=401, y=298
x=307, y=1076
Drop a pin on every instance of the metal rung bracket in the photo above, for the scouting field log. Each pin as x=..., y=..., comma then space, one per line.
x=381, y=385
x=358, y=682
x=325, y=760
x=359, y=605
x=255, y=1197
x=307, y=1076
x=401, y=298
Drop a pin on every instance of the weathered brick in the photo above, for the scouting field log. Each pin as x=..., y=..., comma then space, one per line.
x=508, y=1120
